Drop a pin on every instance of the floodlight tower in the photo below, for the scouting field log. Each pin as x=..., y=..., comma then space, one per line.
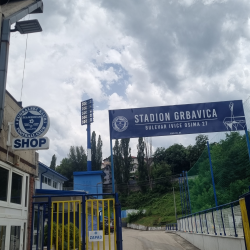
x=87, y=117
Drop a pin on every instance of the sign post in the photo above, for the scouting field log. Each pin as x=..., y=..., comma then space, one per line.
x=87, y=117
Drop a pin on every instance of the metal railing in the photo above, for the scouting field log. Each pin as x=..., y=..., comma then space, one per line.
x=171, y=227
x=224, y=220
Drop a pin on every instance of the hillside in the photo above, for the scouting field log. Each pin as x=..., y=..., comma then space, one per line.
x=159, y=207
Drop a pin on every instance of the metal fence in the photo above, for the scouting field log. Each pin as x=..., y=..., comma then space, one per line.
x=171, y=227
x=224, y=220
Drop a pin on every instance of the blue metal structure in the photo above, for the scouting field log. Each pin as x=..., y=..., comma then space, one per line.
x=87, y=117
x=248, y=143
x=44, y=208
x=112, y=166
x=212, y=173
x=181, y=195
x=219, y=221
x=188, y=193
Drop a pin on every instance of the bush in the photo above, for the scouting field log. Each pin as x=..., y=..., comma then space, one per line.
x=71, y=236
x=135, y=216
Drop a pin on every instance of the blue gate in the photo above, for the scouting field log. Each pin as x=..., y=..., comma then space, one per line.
x=62, y=222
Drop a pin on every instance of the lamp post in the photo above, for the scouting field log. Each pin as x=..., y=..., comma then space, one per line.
x=24, y=27
x=87, y=117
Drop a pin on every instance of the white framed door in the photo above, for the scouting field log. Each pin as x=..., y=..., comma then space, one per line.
x=13, y=234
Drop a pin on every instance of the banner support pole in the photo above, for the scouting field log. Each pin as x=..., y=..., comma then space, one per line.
x=212, y=174
x=188, y=193
x=112, y=167
x=89, y=164
x=248, y=143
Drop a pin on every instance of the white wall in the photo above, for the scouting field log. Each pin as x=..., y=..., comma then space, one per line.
x=213, y=242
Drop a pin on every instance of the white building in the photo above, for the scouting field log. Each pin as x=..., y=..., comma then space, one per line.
x=49, y=179
x=135, y=165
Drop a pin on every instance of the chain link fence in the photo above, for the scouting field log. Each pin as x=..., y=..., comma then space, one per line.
x=231, y=167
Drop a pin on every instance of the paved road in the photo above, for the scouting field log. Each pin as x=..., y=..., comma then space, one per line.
x=154, y=240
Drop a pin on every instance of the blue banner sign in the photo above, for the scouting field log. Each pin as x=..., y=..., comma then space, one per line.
x=177, y=120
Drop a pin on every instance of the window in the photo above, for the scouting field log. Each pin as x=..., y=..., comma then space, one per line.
x=46, y=180
x=2, y=237
x=4, y=173
x=49, y=181
x=54, y=184
x=15, y=237
x=16, y=188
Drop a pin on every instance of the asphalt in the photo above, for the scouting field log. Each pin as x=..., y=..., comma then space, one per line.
x=154, y=240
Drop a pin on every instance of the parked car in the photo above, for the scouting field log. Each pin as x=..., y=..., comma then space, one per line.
x=107, y=227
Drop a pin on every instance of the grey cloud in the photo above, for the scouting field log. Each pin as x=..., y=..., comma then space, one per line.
x=176, y=32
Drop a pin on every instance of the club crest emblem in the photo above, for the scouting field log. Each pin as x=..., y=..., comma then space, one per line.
x=31, y=122
x=120, y=123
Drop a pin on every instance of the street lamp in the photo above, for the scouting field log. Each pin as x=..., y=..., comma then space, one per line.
x=26, y=27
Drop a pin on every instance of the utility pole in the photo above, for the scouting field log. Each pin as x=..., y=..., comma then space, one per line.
x=11, y=12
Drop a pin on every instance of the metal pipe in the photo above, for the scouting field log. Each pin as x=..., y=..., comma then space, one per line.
x=112, y=167
x=248, y=143
x=181, y=198
x=89, y=164
x=4, y=55
x=174, y=206
x=188, y=194
x=212, y=174
x=236, y=235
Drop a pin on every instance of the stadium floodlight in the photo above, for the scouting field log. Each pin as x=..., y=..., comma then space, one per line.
x=29, y=26
x=87, y=113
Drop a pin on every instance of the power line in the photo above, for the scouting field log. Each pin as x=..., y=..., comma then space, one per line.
x=24, y=65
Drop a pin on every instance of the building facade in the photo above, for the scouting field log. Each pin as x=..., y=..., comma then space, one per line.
x=18, y=170
x=49, y=178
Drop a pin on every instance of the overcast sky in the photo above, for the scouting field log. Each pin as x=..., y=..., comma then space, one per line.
x=129, y=54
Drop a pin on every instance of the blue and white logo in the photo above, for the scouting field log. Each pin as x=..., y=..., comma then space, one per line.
x=120, y=123
x=32, y=122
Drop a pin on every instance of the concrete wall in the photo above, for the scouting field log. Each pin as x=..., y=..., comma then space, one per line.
x=88, y=183
x=213, y=242
x=145, y=228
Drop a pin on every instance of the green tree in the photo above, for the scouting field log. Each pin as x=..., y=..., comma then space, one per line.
x=142, y=171
x=195, y=151
x=176, y=157
x=117, y=163
x=76, y=161
x=99, y=153
x=161, y=173
x=93, y=151
x=127, y=159
x=53, y=162
x=231, y=168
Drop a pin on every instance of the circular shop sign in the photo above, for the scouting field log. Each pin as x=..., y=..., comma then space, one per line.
x=31, y=122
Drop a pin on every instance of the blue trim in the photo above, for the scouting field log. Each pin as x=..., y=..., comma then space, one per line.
x=58, y=192
x=52, y=171
x=248, y=143
x=188, y=192
x=89, y=163
x=212, y=174
x=89, y=173
x=112, y=166
x=212, y=208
